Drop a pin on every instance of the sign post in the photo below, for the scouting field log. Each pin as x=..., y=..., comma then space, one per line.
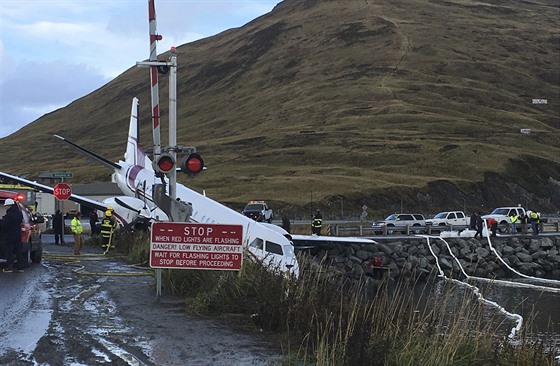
x=181, y=245
x=61, y=175
x=62, y=191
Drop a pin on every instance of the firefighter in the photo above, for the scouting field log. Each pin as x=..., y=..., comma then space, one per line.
x=317, y=223
x=108, y=226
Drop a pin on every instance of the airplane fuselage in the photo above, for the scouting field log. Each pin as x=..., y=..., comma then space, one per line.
x=264, y=244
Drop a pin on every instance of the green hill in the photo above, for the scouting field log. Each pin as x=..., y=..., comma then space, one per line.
x=387, y=103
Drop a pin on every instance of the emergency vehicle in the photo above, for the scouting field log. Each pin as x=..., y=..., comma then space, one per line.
x=31, y=245
x=258, y=211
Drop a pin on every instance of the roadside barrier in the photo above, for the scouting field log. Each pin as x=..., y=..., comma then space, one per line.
x=427, y=229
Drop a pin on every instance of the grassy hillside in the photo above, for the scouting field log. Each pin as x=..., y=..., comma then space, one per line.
x=373, y=101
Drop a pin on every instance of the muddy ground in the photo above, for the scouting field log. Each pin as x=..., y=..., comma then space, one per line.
x=99, y=311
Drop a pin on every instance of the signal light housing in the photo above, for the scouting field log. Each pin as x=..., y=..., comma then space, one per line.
x=165, y=163
x=192, y=164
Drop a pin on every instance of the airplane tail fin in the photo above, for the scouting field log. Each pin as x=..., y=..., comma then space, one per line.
x=134, y=154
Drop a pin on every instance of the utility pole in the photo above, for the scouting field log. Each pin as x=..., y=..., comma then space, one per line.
x=173, y=121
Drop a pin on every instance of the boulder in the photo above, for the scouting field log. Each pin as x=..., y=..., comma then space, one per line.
x=526, y=258
x=385, y=249
x=507, y=250
x=446, y=263
x=480, y=272
x=363, y=255
x=547, y=244
x=465, y=251
x=482, y=253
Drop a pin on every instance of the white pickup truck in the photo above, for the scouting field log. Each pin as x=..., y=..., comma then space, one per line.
x=447, y=218
x=502, y=214
x=258, y=211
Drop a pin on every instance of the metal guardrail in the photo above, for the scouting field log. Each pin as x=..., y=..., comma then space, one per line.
x=425, y=229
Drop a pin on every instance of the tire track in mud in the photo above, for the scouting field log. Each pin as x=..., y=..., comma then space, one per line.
x=85, y=328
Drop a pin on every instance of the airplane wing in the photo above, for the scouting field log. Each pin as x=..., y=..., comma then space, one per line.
x=44, y=188
x=310, y=241
x=91, y=154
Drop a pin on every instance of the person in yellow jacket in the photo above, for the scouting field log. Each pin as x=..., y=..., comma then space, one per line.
x=514, y=219
x=76, y=226
x=108, y=226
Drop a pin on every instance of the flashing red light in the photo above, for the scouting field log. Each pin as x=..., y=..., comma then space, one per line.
x=165, y=163
x=192, y=164
x=20, y=197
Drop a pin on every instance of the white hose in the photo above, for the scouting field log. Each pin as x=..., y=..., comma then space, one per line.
x=513, y=270
x=518, y=318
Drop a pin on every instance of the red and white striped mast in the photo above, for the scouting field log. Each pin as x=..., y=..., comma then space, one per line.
x=154, y=37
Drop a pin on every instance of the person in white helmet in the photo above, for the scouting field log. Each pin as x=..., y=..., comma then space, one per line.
x=11, y=230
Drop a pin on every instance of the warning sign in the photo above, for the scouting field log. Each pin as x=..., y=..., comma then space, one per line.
x=196, y=246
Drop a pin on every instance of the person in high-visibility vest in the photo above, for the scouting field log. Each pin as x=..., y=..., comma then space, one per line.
x=534, y=219
x=513, y=218
x=76, y=226
x=108, y=226
x=317, y=223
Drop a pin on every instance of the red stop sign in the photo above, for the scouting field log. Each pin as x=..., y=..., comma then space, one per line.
x=62, y=191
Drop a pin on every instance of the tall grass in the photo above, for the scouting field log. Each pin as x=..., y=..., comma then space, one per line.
x=325, y=319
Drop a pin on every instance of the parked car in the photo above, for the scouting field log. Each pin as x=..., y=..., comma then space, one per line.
x=449, y=218
x=31, y=244
x=502, y=216
x=401, y=222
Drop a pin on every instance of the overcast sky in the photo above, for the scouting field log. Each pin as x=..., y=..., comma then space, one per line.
x=56, y=51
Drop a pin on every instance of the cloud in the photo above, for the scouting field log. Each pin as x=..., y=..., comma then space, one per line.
x=38, y=88
x=47, y=45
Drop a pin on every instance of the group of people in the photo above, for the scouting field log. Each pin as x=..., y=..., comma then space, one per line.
x=107, y=229
x=532, y=218
x=477, y=223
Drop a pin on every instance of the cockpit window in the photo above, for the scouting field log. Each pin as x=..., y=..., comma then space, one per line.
x=257, y=243
x=274, y=248
x=289, y=250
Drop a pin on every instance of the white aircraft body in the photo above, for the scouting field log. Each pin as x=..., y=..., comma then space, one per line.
x=135, y=177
